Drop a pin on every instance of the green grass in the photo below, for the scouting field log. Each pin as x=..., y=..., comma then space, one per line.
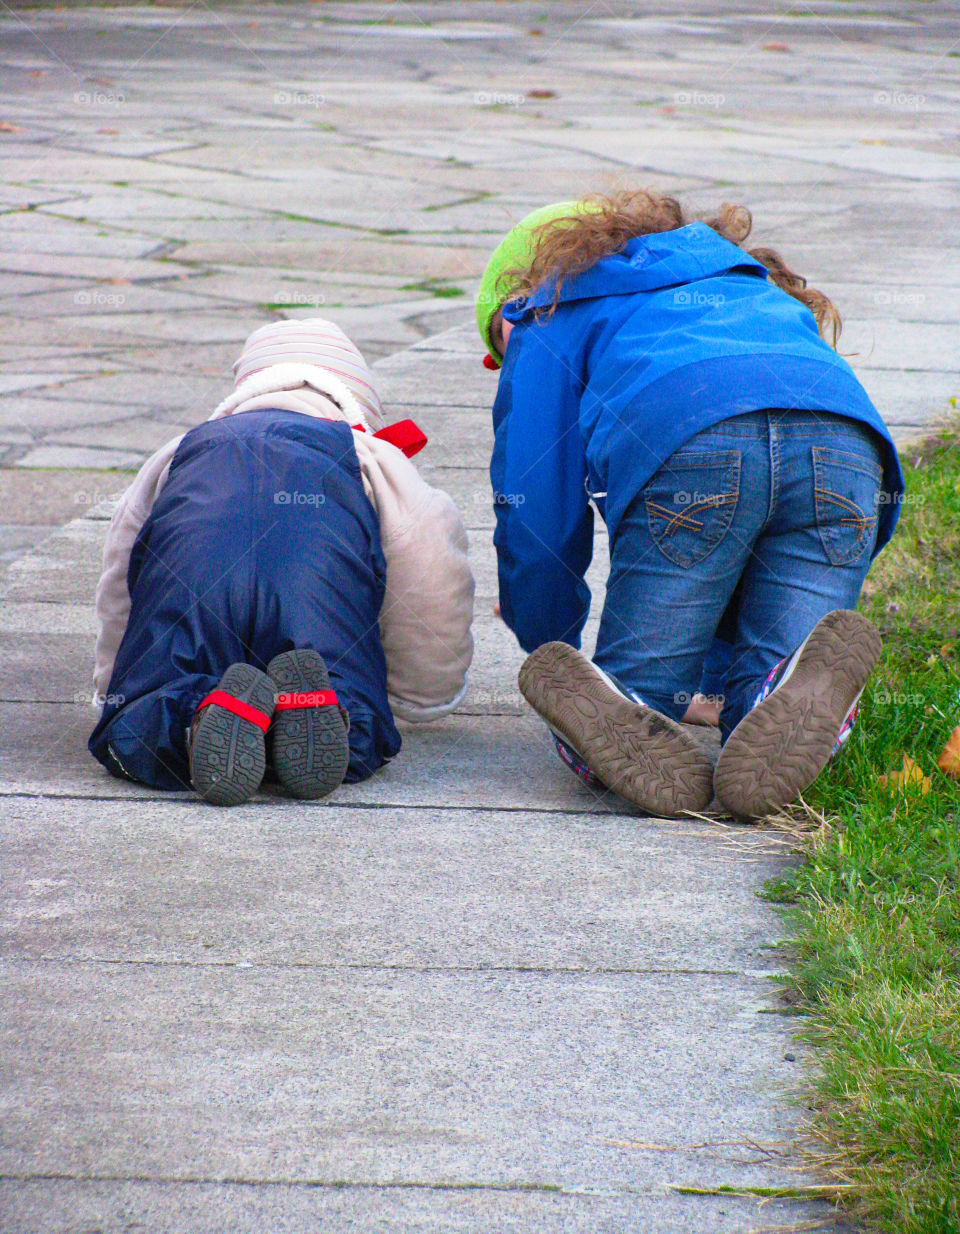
x=874, y=911
x=436, y=288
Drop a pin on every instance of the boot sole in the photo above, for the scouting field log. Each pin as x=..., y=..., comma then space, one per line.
x=643, y=756
x=309, y=746
x=227, y=753
x=780, y=747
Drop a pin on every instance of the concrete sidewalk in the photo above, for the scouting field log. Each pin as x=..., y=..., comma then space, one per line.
x=467, y=995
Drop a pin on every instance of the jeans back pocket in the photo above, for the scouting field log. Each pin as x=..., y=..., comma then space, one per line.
x=846, y=491
x=691, y=502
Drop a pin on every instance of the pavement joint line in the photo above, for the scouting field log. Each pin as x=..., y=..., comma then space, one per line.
x=742, y=830
x=532, y=970
x=748, y=829
x=196, y=1180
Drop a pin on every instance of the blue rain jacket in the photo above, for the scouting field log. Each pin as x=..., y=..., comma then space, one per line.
x=674, y=334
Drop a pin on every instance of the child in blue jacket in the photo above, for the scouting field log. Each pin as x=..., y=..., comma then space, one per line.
x=654, y=369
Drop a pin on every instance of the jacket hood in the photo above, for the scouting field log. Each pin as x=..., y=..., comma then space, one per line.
x=316, y=343
x=648, y=263
x=309, y=379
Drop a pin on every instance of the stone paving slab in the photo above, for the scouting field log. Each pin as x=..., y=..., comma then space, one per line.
x=368, y=1076
x=18, y=538
x=140, y=434
x=329, y=886
x=44, y=496
x=82, y=457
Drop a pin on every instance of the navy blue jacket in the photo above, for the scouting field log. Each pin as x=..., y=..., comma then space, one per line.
x=674, y=334
x=261, y=540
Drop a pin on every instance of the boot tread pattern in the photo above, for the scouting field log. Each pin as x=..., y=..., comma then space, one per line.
x=642, y=755
x=227, y=755
x=780, y=747
x=309, y=745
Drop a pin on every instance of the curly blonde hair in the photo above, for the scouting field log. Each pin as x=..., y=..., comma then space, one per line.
x=602, y=224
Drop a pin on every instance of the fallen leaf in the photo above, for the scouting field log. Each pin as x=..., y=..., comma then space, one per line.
x=947, y=649
x=948, y=760
x=112, y=132
x=7, y=127
x=541, y=94
x=909, y=776
x=775, y=47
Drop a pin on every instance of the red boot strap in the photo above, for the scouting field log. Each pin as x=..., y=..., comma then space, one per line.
x=292, y=701
x=405, y=435
x=220, y=698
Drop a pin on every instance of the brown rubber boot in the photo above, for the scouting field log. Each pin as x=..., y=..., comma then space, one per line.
x=642, y=755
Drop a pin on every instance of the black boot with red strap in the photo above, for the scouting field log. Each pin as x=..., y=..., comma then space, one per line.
x=308, y=738
x=226, y=746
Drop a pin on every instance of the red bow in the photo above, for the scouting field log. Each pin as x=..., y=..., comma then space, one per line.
x=405, y=435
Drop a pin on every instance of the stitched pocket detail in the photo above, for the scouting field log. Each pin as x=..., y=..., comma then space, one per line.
x=846, y=492
x=691, y=502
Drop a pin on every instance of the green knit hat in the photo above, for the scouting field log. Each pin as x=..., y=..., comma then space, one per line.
x=515, y=249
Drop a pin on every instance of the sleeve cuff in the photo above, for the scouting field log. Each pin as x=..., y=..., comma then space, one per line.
x=415, y=713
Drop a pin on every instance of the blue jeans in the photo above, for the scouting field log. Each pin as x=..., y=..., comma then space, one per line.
x=755, y=529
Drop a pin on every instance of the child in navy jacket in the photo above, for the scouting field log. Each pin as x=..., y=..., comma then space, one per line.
x=656, y=371
x=278, y=584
